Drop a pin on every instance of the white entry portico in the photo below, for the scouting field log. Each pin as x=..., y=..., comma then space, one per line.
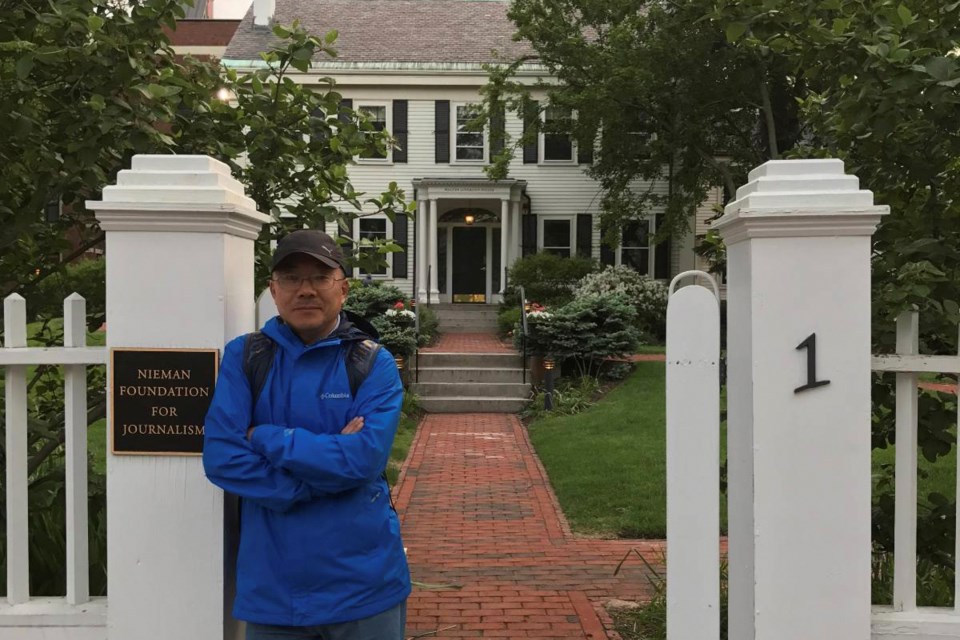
x=437, y=198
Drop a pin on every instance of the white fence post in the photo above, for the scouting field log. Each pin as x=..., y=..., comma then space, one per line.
x=18, y=565
x=693, y=464
x=75, y=425
x=905, y=478
x=179, y=235
x=798, y=238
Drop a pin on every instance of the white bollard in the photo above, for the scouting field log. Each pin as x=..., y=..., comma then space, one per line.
x=693, y=463
x=179, y=236
x=798, y=340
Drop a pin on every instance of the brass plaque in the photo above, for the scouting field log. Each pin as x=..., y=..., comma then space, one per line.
x=159, y=399
x=475, y=298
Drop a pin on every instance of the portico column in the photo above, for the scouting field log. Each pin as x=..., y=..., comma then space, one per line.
x=516, y=241
x=423, y=251
x=504, y=244
x=432, y=235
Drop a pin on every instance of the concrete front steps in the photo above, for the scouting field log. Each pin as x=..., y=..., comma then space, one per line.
x=470, y=318
x=471, y=383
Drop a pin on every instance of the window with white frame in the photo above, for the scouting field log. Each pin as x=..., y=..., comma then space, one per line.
x=557, y=236
x=635, y=248
x=378, y=114
x=557, y=147
x=468, y=146
x=373, y=229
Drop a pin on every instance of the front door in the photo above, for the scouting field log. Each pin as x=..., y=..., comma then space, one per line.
x=469, y=264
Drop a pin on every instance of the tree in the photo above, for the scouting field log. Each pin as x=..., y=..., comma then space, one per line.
x=883, y=95
x=660, y=94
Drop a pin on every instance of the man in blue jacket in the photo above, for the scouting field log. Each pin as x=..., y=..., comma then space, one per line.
x=320, y=551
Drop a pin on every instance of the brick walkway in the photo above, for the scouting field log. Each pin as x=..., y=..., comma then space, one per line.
x=468, y=343
x=477, y=511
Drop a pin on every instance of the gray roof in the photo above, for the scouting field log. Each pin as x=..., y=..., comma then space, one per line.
x=394, y=31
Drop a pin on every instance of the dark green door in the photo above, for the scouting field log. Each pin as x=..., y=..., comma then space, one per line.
x=469, y=264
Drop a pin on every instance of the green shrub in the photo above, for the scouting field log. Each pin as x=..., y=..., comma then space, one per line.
x=397, y=330
x=546, y=278
x=429, y=325
x=507, y=320
x=586, y=331
x=648, y=296
x=371, y=299
x=570, y=396
x=86, y=277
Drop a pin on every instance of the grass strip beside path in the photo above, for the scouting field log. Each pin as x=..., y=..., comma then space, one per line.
x=607, y=465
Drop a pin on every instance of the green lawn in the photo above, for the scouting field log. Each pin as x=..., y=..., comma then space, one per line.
x=607, y=465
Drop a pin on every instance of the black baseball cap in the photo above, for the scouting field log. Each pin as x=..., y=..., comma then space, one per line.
x=313, y=243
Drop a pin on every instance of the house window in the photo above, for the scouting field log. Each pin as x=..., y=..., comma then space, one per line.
x=468, y=145
x=635, y=246
x=557, y=234
x=373, y=229
x=557, y=146
x=377, y=114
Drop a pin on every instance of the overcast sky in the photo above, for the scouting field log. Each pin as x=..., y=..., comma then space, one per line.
x=230, y=8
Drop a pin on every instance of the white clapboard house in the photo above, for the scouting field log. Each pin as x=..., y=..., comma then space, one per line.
x=416, y=67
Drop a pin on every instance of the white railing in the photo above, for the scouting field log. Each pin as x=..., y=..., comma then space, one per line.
x=903, y=616
x=20, y=614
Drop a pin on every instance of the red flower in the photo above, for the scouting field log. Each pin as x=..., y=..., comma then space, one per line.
x=399, y=305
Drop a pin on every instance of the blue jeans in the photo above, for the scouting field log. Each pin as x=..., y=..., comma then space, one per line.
x=388, y=625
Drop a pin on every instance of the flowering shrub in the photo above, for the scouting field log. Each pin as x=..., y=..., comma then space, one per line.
x=648, y=296
x=399, y=314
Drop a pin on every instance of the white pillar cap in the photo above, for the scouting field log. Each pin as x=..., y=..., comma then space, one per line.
x=178, y=193
x=800, y=198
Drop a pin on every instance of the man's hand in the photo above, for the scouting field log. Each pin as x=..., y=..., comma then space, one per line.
x=353, y=426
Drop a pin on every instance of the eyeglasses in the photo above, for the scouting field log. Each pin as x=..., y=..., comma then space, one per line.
x=293, y=282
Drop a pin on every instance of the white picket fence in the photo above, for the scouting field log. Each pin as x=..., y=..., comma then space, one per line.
x=692, y=470
x=902, y=615
x=76, y=616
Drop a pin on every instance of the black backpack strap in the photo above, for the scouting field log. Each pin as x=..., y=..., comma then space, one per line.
x=359, y=358
x=258, y=354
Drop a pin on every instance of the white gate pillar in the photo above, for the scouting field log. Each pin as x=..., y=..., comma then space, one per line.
x=798, y=262
x=179, y=236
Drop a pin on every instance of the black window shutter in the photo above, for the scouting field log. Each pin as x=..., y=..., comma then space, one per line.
x=607, y=254
x=346, y=103
x=400, y=237
x=584, y=153
x=584, y=235
x=442, y=132
x=497, y=131
x=400, y=130
x=661, y=256
x=528, y=234
x=347, y=248
x=531, y=151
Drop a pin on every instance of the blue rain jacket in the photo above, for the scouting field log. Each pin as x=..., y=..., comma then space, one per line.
x=319, y=541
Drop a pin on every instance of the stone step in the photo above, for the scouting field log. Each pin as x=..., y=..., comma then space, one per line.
x=467, y=404
x=472, y=389
x=466, y=326
x=434, y=359
x=471, y=374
